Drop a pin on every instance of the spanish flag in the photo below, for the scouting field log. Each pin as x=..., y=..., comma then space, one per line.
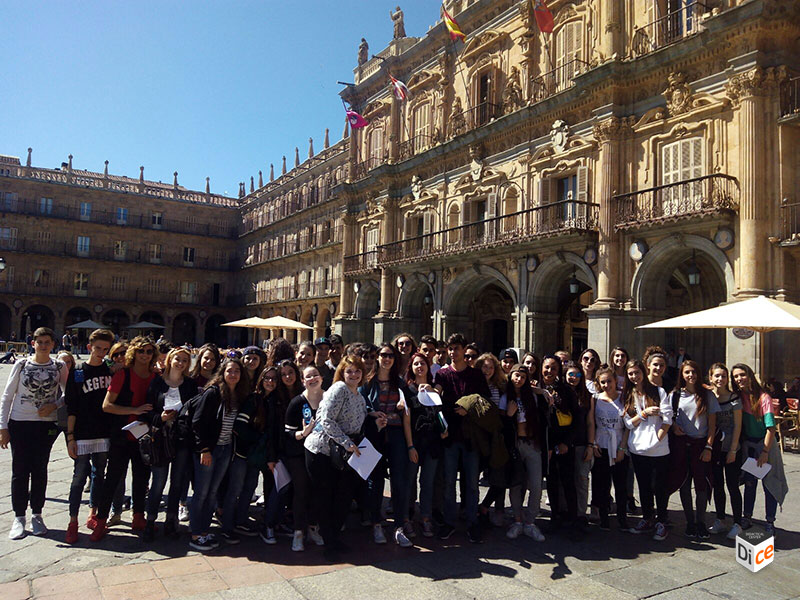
x=452, y=27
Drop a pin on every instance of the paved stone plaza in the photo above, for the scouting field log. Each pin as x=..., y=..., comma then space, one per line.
x=602, y=565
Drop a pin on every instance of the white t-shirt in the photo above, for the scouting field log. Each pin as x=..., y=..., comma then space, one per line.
x=693, y=424
x=609, y=425
x=643, y=438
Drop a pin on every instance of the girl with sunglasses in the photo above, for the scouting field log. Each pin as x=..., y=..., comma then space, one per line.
x=385, y=430
x=126, y=401
x=584, y=434
x=589, y=363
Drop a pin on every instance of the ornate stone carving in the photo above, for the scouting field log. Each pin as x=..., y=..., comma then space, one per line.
x=416, y=187
x=399, y=23
x=512, y=94
x=363, y=52
x=678, y=95
x=755, y=82
x=457, y=124
x=476, y=166
x=611, y=129
x=559, y=135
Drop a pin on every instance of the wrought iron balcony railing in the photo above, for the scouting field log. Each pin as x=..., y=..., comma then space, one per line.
x=356, y=264
x=556, y=80
x=790, y=99
x=553, y=219
x=790, y=223
x=361, y=169
x=412, y=146
x=694, y=197
x=667, y=29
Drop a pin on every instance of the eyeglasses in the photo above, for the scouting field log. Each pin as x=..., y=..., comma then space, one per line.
x=386, y=355
x=148, y=351
x=270, y=378
x=587, y=358
x=404, y=343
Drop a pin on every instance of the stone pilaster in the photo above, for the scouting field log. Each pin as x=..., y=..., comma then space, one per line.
x=347, y=296
x=752, y=93
x=612, y=15
x=388, y=209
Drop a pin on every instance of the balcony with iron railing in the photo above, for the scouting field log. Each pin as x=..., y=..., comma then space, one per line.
x=35, y=208
x=359, y=264
x=692, y=198
x=790, y=223
x=667, y=29
x=362, y=168
x=22, y=287
x=556, y=80
x=71, y=249
x=480, y=115
x=304, y=242
x=558, y=218
x=413, y=146
x=790, y=100
x=294, y=292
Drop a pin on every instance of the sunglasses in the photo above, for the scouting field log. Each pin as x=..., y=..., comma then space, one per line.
x=588, y=359
x=386, y=355
x=578, y=375
x=403, y=343
x=118, y=354
x=470, y=356
x=232, y=354
x=148, y=351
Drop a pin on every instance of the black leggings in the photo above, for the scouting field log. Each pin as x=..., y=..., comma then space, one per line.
x=651, y=475
x=727, y=474
x=301, y=492
x=121, y=452
x=562, y=471
x=31, y=442
x=333, y=492
x=602, y=476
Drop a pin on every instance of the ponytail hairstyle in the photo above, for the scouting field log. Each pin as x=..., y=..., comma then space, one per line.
x=606, y=370
x=651, y=395
x=755, y=389
x=700, y=392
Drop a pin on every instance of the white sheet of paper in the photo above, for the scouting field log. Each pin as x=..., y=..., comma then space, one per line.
x=137, y=429
x=751, y=466
x=429, y=398
x=364, y=464
x=281, y=475
x=173, y=404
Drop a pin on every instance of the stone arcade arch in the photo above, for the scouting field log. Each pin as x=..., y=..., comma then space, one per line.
x=415, y=306
x=116, y=320
x=555, y=316
x=184, y=329
x=36, y=316
x=5, y=322
x=660, y=289
x=214, y=332
x=481, y=303
x=367, y=305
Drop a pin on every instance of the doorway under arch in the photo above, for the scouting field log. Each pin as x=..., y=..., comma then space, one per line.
x=116, y=320
x=184, y=329
x=34, y=317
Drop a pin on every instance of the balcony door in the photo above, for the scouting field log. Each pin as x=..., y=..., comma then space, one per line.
x=680, y=162
x=569, y=53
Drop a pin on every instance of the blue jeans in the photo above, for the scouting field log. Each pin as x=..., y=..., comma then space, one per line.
x=426, y=469
x=469, y=475
x=395, y=457
x=242, y=482
x=752, y=448
x=206, y=484
x=119, y=494
x=178, y=474
x=84, y=465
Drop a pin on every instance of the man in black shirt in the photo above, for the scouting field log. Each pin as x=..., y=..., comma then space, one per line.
x=455, y=381
x=87, y=427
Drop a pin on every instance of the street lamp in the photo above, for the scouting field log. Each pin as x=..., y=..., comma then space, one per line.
x=2, y=264
x=574, y=284
x=693, y=271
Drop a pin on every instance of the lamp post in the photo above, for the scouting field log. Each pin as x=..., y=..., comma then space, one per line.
x=693, y=272
x=574, y=284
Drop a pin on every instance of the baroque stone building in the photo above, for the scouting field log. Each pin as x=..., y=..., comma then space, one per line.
x=556, y=190
x=535, y=190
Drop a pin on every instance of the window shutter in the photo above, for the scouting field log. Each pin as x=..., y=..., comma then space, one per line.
x=582, y=193
x=427, y=222
x=544, y=191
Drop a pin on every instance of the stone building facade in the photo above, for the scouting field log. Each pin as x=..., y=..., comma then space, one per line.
x=556, y=190
x=84, y=245
x=535, y=190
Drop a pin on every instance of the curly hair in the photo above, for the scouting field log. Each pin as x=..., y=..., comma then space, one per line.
x=137, y=343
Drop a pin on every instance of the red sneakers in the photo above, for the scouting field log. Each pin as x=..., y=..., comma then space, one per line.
x=91, y=521
x=72, y=533
x=138, y=522
x=100, y=531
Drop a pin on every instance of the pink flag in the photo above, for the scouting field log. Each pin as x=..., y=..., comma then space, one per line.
x=356, y=120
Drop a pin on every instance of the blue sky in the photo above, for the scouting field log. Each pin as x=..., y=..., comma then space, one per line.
x=206, y=88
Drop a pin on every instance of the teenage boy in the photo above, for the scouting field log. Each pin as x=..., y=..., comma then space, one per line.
x=28, y=421
x=457, y=380
x=88, y=430
x=336, y=351
x=323, y=347
x=427, y=345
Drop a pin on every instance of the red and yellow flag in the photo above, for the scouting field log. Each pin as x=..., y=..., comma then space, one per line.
x=452, y=26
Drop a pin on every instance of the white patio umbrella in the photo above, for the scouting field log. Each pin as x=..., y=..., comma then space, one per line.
x=759, y=314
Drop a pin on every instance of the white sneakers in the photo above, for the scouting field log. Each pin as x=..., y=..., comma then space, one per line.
x=183, y=513
x=735, y=530
x=377, y=534
x=532, y=531
x=37, y=525
x=314, y=535
x=297, y=541
x=514, y=531
x=529, y=529
x=17, y=529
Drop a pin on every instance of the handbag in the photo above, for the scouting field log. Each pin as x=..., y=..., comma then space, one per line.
x=339, y=455
x=157, y=447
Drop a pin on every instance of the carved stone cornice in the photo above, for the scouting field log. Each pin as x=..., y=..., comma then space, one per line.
x=615, y=128
x=755, y=82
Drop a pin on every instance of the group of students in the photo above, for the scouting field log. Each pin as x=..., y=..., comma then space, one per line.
x=441, y=415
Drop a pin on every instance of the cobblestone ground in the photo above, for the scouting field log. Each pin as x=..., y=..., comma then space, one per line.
x=601, y=565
